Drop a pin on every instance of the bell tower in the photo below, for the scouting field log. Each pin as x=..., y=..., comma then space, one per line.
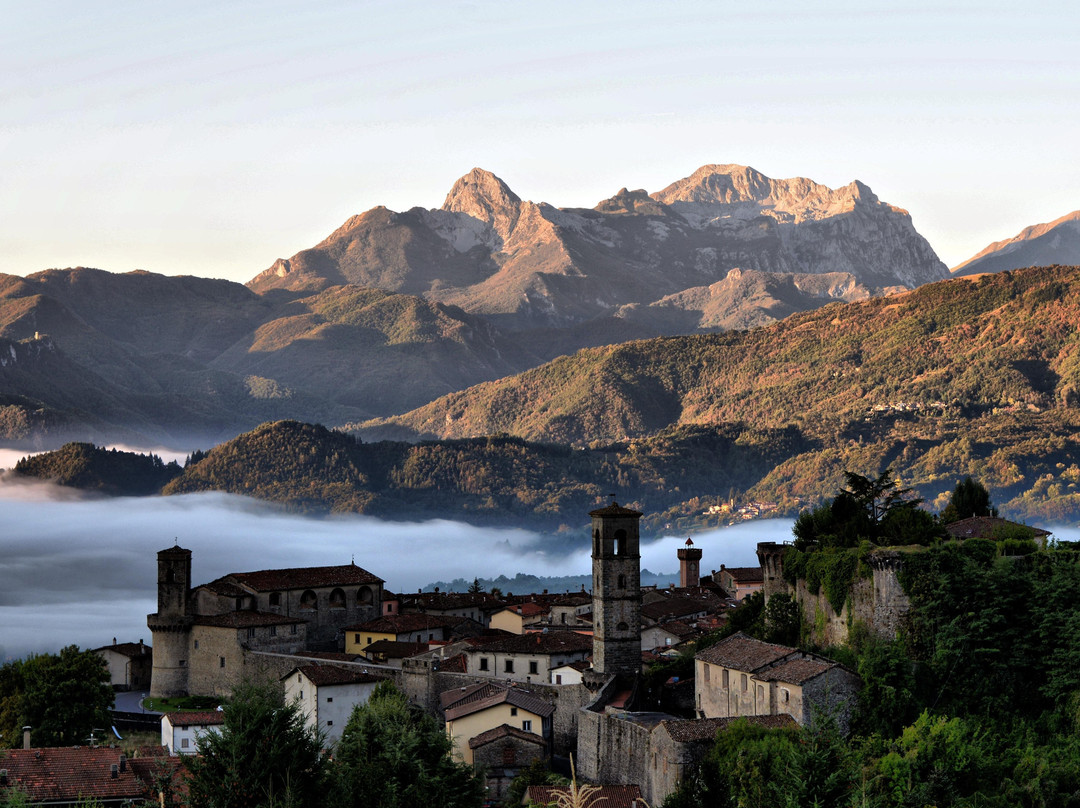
x=616, y=563
x=689, y=565
x=171, y=624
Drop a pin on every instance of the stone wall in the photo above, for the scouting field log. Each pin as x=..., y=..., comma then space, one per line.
x=614, y=748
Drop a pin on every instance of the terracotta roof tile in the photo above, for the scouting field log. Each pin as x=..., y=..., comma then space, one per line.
x=128, y=649
x=539, y=642
x=455, y=664
x=401, y=623
x=607, y=796
x=195, y=718
x=304, y=578
x=743, y=653
x=746, y=575
x=330, y=675
x=797, y=671
x=505, y=731
x=68, y=773
x=499, y=695
x=393, y=649
x=672, y=608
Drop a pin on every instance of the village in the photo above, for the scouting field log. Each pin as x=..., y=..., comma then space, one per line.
x=515, y=679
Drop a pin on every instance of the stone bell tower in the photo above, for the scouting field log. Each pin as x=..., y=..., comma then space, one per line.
x=689, y=565
x=171, y=624
x=616, y=563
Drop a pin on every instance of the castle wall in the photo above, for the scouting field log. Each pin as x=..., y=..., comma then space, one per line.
x=613, y=749
x=169, y=676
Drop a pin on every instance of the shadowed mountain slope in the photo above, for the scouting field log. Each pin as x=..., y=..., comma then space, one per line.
x=1056, y=242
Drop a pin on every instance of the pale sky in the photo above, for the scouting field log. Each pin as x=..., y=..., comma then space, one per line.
x=211, y=138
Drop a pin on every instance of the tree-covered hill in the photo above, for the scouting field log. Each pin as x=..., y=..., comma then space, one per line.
x=109, y=471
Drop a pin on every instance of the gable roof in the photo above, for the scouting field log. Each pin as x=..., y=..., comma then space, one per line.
x=128, y=649
x=330, y=675
x=395, y=649
x=301, y=578
x=401, y=623
x=65, y=774
x=745, y=575
x=498, y=694
x=606, y=797
x=195, y=718
x=505, y=731
x=797, y=671
x=985, y=527
x=539, y=642
x=672, y=608
x=743, y=653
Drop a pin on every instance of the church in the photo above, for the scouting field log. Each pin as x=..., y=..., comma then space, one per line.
x=201, y=634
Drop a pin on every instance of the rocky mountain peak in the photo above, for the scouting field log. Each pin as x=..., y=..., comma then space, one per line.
x=484, y=196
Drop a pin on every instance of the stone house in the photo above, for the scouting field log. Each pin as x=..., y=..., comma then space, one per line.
x=217, y=658
x=180, y=731
x=742, y=676
x=527, y=657
x=411, y=627
x=501, y=753
x=473, y=710
x=667, y=635
x=740, y=582
x=130, y=664
x=327, y=695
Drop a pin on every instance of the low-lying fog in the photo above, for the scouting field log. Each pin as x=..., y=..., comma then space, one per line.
x=82, y=571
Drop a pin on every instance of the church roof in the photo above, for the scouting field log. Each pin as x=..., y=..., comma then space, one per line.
x=302, y=578
x=743, y=653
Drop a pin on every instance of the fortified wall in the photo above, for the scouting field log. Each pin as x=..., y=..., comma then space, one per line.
x=879, y=603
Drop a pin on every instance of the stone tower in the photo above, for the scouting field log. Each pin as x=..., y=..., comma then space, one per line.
x=689, y=565
x=616, y=562
x=171, y=624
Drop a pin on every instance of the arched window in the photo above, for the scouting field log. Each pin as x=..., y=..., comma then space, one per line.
x=364, y=595
x=620, y=541
x=309, y=600
x=622, y=627
x=337, y=599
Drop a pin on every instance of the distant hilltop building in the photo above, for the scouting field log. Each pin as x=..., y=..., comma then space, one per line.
x=201, y=634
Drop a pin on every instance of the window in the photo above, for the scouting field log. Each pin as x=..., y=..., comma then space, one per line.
x=534, y=666
x=483, y=663
x=221, y=662
x=275, y=598
x=708, y=671
x=329, y=723
x=273, y=631
x=369, y=640
x=622, y=627
x=622, y=582
x=724, y=678
x=785, y=695
x=337, y=599
x=356, y=638
x=558, y=678
x=298, y=677
x=183, y=663
x=251, y=633
x=509, y=666
x=513, y=711
x=526, y=725
x=744, y=682
x=761, y=693
x=309, y=601
x=301, y=694
x=183, y=743
x=329, y=699
x=363, y=595
x=292, y=628
x=196, y=645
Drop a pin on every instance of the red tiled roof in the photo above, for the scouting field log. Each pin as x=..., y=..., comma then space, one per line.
x=128, y=649
x=455, y=664
x=304, y=578
x=401, y=623
x=193, y=718
x=797, y=671
x=504, y=731
x=529, y=609
x=499, y=695
x=245, y=619
x=745, y=575
x=329, y=675
x=986, y=527
x=673, y=607
x=606, y=797
x=552, y=642
x=393, y=649
x=481, y=690
x=68, y=773
x=743, y=653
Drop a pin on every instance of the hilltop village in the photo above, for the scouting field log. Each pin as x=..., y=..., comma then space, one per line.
x=514, y=679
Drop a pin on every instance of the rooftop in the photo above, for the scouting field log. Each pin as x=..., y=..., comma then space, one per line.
x=490, y=694
x=504, y=731
x=401, y=623
x=301, y=578
x=330, y=675
x=192, y=718
x=539, y=642
x=71, y=773
x=743, y=653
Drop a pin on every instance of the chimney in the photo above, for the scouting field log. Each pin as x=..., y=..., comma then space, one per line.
x=26, y=737
x=123, y=763
x=114, y=771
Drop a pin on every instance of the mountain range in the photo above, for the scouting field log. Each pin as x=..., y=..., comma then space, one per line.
x=394, y=310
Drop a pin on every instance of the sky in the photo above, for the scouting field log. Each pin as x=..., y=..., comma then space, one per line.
x=82, y=570
x=211, y=138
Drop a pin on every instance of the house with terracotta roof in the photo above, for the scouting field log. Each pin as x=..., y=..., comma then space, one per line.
x=180, y=731
x=411, y=627
x=392, y=652
x=327, y=694
x=667, y=635
x=473, y=710
x=526, y=657
x=743, y=676
x=740, y=582
x=515, y=618
x=70, y=776
x=130, y=664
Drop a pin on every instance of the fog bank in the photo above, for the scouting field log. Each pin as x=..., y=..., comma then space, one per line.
x=75, y=569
